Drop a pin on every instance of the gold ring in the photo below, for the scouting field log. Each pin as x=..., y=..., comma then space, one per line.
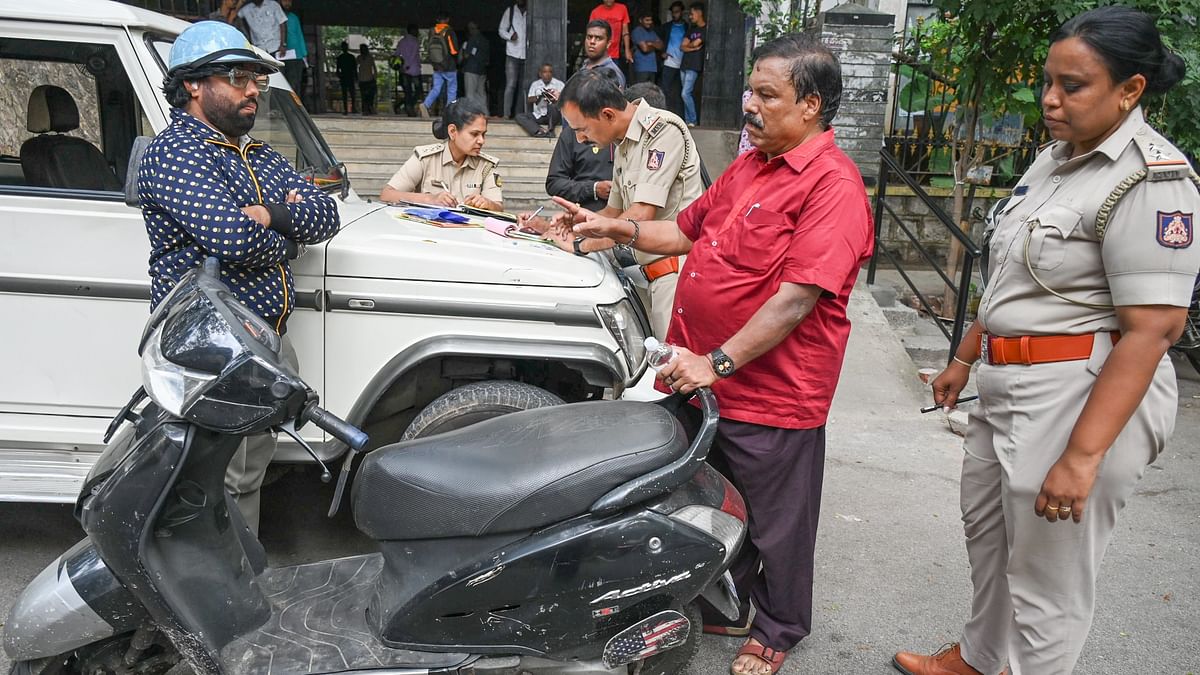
x=1064, y=509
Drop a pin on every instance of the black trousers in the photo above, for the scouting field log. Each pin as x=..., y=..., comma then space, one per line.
x=348, y=95
x=779, y=473
x=412, y=93
x=369, y=91
x=530, y=123
x=672, y=86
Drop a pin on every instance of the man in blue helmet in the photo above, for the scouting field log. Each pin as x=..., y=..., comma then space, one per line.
x=208, y=189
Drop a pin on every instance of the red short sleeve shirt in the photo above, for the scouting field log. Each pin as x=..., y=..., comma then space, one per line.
x=802, y=218
x=617, y=17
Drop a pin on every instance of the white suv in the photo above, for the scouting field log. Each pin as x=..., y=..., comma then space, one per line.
x=404, y=328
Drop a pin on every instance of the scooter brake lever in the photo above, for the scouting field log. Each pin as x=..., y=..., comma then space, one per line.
x=290, y=430
x=347, y=466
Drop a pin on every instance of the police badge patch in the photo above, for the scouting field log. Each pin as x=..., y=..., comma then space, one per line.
x=655, y=159
x=1175, y=229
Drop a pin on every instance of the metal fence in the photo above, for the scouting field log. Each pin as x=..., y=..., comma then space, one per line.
x=890, y=167
x=922, y=134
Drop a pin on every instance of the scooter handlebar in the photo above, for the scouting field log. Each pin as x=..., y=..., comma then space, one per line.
x=337, y=427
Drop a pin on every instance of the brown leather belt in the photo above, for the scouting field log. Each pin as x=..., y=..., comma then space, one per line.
x=1030, y=349
x=661, y=267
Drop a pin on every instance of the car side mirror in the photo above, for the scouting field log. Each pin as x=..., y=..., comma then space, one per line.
x=131, y=170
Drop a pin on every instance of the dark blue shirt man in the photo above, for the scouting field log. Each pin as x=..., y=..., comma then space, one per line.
x=209, y=189
x=646, y=46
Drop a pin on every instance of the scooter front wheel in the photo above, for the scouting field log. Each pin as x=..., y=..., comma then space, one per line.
x=50, y=666
x=675, y=661
x=105, y=658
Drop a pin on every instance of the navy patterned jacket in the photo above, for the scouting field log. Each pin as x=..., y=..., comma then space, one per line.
x=193, y=183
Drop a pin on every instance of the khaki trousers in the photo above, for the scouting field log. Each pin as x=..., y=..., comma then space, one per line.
x=1034, y=580
x=662, y=295
x=245, y=473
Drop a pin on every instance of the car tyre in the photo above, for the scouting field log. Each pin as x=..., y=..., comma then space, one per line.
x=477, y=402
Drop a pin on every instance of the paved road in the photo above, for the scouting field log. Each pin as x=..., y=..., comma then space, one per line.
x=891, y=570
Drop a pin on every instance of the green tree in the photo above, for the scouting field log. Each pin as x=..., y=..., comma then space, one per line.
x=993, y=52
x=774, y=18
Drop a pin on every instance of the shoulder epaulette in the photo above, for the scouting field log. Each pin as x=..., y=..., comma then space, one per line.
x=660, y=120
x=1163, y=161
x=489, y=158
x=427, y=150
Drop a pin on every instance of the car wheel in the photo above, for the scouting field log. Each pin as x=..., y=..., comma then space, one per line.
x=476, y=402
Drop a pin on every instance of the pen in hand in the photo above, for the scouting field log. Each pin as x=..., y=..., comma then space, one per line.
x=965, y=399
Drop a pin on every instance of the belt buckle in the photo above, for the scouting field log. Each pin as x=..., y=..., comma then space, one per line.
x=984, y=350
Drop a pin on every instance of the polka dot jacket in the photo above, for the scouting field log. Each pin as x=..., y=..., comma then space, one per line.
x=193, y=184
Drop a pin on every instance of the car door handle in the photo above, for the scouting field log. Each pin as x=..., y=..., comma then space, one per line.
x=361, y=303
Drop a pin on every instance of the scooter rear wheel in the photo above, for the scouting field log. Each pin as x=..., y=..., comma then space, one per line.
x=675, y=661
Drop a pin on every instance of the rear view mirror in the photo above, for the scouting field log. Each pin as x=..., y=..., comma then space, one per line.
x=131, y=172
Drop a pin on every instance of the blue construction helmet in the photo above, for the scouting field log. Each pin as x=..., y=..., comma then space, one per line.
x=210, y=42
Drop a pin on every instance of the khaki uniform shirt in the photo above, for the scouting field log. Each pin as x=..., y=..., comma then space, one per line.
x=431, y=169
x=1147, y=255
x=656, y=163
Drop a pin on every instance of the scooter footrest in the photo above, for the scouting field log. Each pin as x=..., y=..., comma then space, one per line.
x=646, y=638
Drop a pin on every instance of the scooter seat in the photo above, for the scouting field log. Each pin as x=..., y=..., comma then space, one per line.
x=516, y=472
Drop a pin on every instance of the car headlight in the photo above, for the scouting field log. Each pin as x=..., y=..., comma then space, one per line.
x=172, y=386
x=622, y=321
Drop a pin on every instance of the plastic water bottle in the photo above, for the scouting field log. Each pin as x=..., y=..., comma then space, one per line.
x=658, y=354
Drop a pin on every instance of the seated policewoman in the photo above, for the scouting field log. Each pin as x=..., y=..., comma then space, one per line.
x=454, y=171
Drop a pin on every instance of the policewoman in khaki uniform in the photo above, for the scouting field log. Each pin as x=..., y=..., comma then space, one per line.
x=455, y=171
x=1092, y=265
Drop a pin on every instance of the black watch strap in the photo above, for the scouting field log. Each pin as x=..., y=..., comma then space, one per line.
x=577, y=246
x=722, y=365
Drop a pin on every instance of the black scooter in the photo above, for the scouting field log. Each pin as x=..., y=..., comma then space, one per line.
x=574, y=539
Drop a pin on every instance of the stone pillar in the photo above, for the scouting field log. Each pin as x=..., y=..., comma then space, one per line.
x=724, y=65
x=861, y=38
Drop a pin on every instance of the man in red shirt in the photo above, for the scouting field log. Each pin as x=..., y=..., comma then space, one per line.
x=617, y=16
x=774, y=248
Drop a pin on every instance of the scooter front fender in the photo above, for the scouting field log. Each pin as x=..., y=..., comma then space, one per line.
x=74, y=602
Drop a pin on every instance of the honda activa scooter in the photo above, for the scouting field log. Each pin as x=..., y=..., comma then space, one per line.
x=573, y=539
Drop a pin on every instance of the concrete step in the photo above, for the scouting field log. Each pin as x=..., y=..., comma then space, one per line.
x=927, y=350
x=902, y=318
x=513, y=203
x=509, y=171
x=533, y=186
x=404, y=141
x=393, y=124
x=884, y=294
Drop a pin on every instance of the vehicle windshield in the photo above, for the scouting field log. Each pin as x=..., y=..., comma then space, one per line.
x=284, y=125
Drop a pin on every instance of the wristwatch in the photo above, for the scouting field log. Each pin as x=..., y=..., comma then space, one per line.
x=576, y=245
x=722, y=364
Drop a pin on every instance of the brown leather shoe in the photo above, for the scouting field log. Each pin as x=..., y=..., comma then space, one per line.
x=947, y=661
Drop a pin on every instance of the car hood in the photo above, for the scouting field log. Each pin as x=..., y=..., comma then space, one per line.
x=374, y=242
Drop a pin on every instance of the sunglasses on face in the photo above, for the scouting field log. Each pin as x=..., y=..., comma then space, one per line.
x=241, y=78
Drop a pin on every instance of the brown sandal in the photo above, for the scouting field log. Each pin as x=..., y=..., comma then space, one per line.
x=773, y=657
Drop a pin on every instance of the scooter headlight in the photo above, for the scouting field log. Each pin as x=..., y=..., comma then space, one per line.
x=172, y=386
x=209, y=359
x=622, y=321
